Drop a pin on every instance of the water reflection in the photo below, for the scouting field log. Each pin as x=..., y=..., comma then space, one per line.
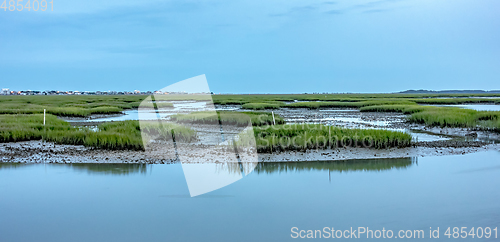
x=91, y=168
x=6, y=165
x=337, y=166
x=111, y=169
x=369, y=165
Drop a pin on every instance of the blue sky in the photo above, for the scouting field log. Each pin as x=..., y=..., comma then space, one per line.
x=247, y=46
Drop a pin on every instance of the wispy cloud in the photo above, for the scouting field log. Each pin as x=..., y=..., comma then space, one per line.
x=367, y=7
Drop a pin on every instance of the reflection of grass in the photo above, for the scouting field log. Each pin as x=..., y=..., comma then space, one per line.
x=339, y=166
x=228, y=118
x=11, y=165
x=105, y=169
x=316, y=136
x=111, y=169
x=113, y=135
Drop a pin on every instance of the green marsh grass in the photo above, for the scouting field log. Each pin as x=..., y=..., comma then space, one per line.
x=231, y=118
x=261, y=106
x=70, y=106
x=164, y=105
x=454, y=101
x=443, y=116
x=303, y=137
x=315, y=105
x=113, y=135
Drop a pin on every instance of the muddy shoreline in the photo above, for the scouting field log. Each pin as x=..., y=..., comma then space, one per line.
x=44, y=152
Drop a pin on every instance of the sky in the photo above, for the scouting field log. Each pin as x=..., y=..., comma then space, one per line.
x=248, y=46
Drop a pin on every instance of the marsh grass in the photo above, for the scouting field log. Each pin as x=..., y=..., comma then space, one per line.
x=443, y=116
x=302, y=137
x=230, y=118
x=316, y=105
x=454, y=101
x=261, y=106
x=113, y=135
x=70, y=106
x=164, y=105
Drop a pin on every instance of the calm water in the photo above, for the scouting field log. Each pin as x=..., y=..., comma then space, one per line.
x=94, y=202
x=485, y=107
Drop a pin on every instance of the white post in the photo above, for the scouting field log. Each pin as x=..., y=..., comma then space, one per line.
x=274, y=121
x=43, y=117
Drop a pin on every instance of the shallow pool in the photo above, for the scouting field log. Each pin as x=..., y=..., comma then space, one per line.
x=485, y=107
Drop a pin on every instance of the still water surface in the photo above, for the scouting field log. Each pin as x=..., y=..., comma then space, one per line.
x=478, y=107
x=105, y=202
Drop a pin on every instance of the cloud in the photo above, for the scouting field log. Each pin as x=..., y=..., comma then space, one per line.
x=373, y=4
x=367, y=7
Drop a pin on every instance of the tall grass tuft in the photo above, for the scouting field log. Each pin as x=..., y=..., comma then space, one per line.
x=231, y=118
x=302, y=137
x=261, y=106
x=443, y=116
x=124, y=135
x=315, y=105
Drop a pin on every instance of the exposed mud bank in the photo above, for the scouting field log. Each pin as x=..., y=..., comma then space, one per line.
x=41, y=152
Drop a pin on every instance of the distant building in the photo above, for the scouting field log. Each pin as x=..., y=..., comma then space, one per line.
x=5, y=91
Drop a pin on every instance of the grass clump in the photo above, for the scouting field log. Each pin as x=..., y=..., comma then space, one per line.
x=228, y=118
x=15, y=128
x=168, y=131
x=454, y=101
x=261, y=106
x=123, y=135
x=70, y=106
x=58, y=111
x=301, y=137
x=315, y=105
x=446, y=117
x=443, y=116
x=406, y=109
x=164, y=105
